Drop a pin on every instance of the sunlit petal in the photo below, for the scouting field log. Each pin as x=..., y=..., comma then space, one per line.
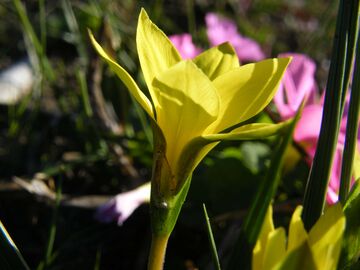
x=199, y=147
x=188, y=103
x=156, y=52
x=259, y=250
x=246, y=90
x=217, y=60
x=297, y=232
x=275, y=248
x=326, y=236
x=125, y=78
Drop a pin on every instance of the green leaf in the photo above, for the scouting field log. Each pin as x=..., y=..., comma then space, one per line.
x=217, y=60
x=250, y=230
x=351, y=243
x=337, y=84
x=10, y=257
x=212, y=241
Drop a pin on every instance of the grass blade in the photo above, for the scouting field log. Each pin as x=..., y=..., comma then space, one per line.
x=212, y=241
x=10, y=257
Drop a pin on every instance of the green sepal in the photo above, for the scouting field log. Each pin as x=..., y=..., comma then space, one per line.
x=164, y=212
x=165, y=201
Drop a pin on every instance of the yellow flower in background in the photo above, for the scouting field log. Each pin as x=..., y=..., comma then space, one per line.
x=317, y=250
x=194, y=101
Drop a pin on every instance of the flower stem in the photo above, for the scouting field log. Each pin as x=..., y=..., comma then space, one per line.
x=157, y=252
x=351, y=132
x=315, y=192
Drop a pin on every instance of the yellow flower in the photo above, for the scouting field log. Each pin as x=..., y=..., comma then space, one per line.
x=317, y=250
x=194, y=101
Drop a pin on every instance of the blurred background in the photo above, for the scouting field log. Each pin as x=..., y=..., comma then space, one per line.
x=72, y=137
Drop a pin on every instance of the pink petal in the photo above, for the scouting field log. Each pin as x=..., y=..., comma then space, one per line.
x=220, y=30
x=308, y=127
x=298, y=83
x=184, y=44
x=123, y=205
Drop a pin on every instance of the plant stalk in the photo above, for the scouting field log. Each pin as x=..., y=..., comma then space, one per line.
x=157, y=252
x=316, y=188
x=351, y=132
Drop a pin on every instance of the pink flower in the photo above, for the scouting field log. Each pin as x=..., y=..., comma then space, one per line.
x=307, y=133
x=220, y=30
x=298, y=83
x=183, y=43
x=123, y=205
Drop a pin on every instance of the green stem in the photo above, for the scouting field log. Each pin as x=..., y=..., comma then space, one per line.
x=165, y=201
x=351, y=132
x=242, y=253
x=157, y=252
x=314, y=198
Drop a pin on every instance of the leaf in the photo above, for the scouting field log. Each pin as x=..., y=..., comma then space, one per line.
x=250, y=230
x=10, y=257
x=211, y=240
x=351, y=243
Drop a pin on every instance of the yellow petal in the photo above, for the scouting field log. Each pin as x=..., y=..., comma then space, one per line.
x=246, y=90
x=326, y=236
x=125, y=78
x=299, y=258
x=188, y=103
x=217, y=60
x=297, y=232
x=156, y=52
x=260, y=247
x=275, y=248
